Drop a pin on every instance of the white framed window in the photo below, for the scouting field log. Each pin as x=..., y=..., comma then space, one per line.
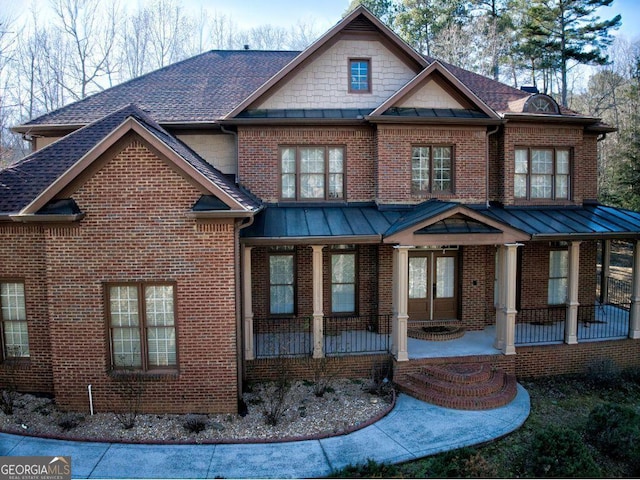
x=282, y=282
x=542, y=173
x=432, y=169
x=343, y=281
x=13, y=316
x=312, y=173
x=359, y=75
x=558, y=277
x=142, y=331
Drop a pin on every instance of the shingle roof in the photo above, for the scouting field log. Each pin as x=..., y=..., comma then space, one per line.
x=25, y=180
x=201, y=88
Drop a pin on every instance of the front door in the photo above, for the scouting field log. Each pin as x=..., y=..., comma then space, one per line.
x=433, y=285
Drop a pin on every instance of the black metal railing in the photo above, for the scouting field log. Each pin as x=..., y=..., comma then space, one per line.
x=540, y=325
x=602, y=321
x=619, y=291
x=351, y=334
x=283, y=337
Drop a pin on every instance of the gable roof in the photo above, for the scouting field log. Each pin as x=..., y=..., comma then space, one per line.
x=28, y=185
x=200, y=89
x=435, y=69
x=218, y=85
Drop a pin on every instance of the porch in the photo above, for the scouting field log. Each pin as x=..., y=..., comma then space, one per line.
x=371, y=334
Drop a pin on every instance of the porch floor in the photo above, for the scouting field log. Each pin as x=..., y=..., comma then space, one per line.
x=471, y=343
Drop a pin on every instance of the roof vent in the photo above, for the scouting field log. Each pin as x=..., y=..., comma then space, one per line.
x=530, y=89
x=246, y=46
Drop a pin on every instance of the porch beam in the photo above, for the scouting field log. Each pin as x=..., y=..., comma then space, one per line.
x=510, y=269
x=571, y=330
x=634, y=313
x=400, y=302
x=318, y=314
x=247, y=303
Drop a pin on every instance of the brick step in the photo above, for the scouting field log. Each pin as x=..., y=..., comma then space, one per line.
x=461, y=386
x=493, y=384
x=464, y=373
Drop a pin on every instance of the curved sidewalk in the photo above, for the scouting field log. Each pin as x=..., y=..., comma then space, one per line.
x=412, y=430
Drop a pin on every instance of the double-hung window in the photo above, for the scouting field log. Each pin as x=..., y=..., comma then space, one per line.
x=312, y=173
x=282, y=281
x=343, y=279
x=432, y=169
x=13, y=316
x=142, y=330
x=558, y=274
x=542, y=173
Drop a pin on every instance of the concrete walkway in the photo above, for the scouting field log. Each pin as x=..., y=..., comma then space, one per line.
x=412, y=430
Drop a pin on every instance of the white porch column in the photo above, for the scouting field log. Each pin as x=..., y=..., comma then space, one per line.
x=247, y=303
x=510, y=269
x=501, y=296
x=634, y=313
x=318, y=314
x=571, y=328
x=400, y=302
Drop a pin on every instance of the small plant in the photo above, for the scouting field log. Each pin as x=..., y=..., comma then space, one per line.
x=275, y=394
x=560, y=452
x=9, y=389
x=380, y=382
x=615, y=430
x=195, y=423
x=604, y=373
x=69, y=421
x=323, y=375
x=131, y=389
x=371, y=469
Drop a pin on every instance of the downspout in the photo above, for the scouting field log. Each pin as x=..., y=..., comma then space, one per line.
x=235, y=135
x=240, y=225
x=489, y=133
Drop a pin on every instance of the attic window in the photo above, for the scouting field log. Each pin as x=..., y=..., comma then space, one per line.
x=359, y=75
x=541, y=103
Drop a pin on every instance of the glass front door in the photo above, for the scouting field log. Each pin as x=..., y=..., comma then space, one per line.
x=433, y=285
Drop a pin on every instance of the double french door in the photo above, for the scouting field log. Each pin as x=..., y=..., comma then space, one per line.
x=433, y=285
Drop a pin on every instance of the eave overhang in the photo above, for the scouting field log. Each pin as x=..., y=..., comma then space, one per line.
x=46, y=218
x=386, y=119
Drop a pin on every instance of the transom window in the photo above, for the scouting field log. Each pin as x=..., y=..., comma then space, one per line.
x=542, y=173
x=142, y=325
x=432, y=169
x=343, y=279
x=312, y=173
x=282, y=281
x=13, y=316
x=359, y=75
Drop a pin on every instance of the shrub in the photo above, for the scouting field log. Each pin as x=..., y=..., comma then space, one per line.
x=462, y=463
x=195, y=423
x=323, y=375
x=615, y=430
x=604, y=373
x=560, y=452
x=380, y=382
x=275, y=395
x=69, y=421
x=371, y=469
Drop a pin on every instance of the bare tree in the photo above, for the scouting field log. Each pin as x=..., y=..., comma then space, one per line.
x=91, y=33
x=169, y=30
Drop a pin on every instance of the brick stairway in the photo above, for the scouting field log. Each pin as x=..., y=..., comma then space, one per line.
x=463, y=386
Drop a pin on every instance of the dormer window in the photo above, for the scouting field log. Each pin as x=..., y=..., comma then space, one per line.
x=541, y=103
x=359, y=75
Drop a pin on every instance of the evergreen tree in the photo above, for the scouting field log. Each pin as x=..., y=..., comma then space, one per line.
x=561, y=31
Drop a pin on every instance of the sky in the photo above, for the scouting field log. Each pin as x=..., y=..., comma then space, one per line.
x=323, y=14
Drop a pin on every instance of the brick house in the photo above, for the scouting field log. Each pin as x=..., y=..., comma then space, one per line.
x=192, y=227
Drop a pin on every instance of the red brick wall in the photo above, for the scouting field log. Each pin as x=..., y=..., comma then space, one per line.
x=394, y=161
x=22, y=259
x=259, y=162
x=367, y=271
x=136, y=229
x=476, y=286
